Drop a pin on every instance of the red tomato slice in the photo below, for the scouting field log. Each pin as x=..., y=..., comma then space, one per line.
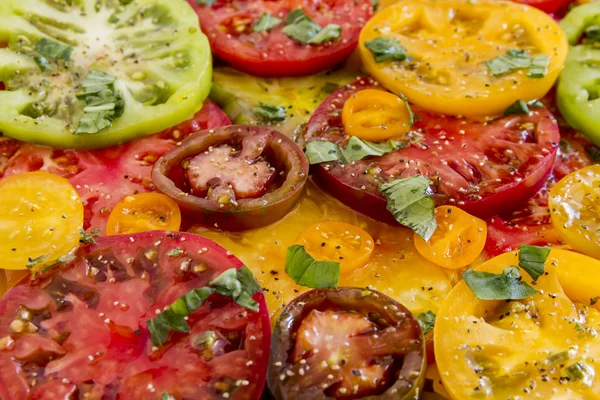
x=104, y=177
x=229, y=27
x=479, y=167
x=82, y=329
x=548, y=6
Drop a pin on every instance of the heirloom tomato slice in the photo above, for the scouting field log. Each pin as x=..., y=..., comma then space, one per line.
x=104, y=177
x=437, y=53
x=90, y=74
x=542, y=347
x=484, y=168
x=144, y=212
x=80, y=331
x=235, y=34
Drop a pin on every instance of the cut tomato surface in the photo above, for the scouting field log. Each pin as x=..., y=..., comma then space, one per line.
x=549, y=6
x=231, y=29
x=81, y=330
x=481, y=167
x=104, y=177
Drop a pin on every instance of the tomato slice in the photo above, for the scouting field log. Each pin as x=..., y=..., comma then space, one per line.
x=482, y=168
x=348, y=343
x=548, y=6
x=96, y=75
x=144, y=212
x=229, y=26
x=528, y=347
x=84, y=325
x=104, y=177
x=233, y=178
x=41, y=217
x=445, y=54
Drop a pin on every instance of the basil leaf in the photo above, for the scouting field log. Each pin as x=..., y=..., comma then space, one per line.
x=386, y=49
x=518, y=107
x=327, y=34
x=504, y=286
x=266, y=22
x=240, y=285
x=539, y=66
x=532, y=259
x=247, y=280
x=166, y=396
x=409, y=202
x=427, y=321
x=206, y=2
x=32, y=262
x=513, y=60
x=43, y=63
x=306, y=271
x=86, y=238
x=296, y=16
x=581, y=372
x=175, y=252
x=322, y=151
x=103, y=104
x=50, y=49
x=269, y=112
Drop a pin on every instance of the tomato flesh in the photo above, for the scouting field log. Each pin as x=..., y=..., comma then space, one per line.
x=144, y=212
x=229, y=28
x=479, y=167
x=84, y=325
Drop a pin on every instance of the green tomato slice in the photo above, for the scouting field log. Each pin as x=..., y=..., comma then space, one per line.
x=578, y=90
x=149, y=59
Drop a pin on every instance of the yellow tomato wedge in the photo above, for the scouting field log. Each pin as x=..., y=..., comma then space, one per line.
x=448, y=44
x=575, y=210
x=376, y=115
x=457, y=241
x=144, y=212
x=338, y=242
x=41, y=217
x=542, y=347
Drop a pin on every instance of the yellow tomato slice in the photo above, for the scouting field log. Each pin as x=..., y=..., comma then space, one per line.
x=526, y=349
x=41, y=217
x=448, y=43
x=458, y=240
x=376, y=115
x=144, y=212
x=339, y=242
x=575, y=210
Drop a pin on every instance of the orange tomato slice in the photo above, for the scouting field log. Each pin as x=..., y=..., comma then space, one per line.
x=144, y=212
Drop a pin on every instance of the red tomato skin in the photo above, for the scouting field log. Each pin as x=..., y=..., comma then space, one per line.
x=548, y=6
x=277, y=55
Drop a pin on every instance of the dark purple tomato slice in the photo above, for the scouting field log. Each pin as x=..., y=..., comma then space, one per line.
x=229, y=26
x=485, y=168
x=346, y=343
x=233, y=178
x=80, y=332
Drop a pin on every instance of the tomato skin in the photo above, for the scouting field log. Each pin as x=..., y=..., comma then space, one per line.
x=360, y=190
x=282, y=152
x=144, y=212
x=274, y=54
x=548, y=6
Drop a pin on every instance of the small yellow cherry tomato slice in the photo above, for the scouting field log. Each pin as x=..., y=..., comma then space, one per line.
x=457, y=241
x=41, y=217
x=376, y=115
x=526, y=349
x=448, y=44
x=575, y=210
x=144, y=212
x=338, y=242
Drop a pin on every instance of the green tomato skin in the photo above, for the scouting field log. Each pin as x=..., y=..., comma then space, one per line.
x=578, y=19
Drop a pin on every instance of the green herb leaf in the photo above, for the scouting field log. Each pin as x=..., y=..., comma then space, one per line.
x=327, y=34
x=322, y=151
x=166, y=396
x=375, y=4
x=518, y=107
x=88, y=238
x=581, y=372
x=593, y=152
x=206, y=2
x=175, y=252
x=386, y=49
x=512, y=61
x=103, y=104
x=592, y=33
x=296, y=16
x=266, y=22
x=539, y=66
x=43, y=63
x=532, y=259
x=32, y=262
x=504, y=286
x=306, y=271
x=240, y=285
x=409, y=202
x=427, y=321
x=270, y=112
x=53, y=50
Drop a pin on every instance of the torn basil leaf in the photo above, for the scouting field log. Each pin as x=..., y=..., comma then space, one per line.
x=269, y=112
x=410, y=203
x=519, y=107
x=581, y=372
x=322, y=151
x=306, y=271
x=327, y=34
x=505, y=286
x=427, y=321
x=386, y=49
x=532, y=259
x=301, y=28
x=32, y=262
x=50, y=49
x=88, y=238
x=103, y=103
x=539, y=66
x=266, y=22
x=175, y=252
x=511, y=61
